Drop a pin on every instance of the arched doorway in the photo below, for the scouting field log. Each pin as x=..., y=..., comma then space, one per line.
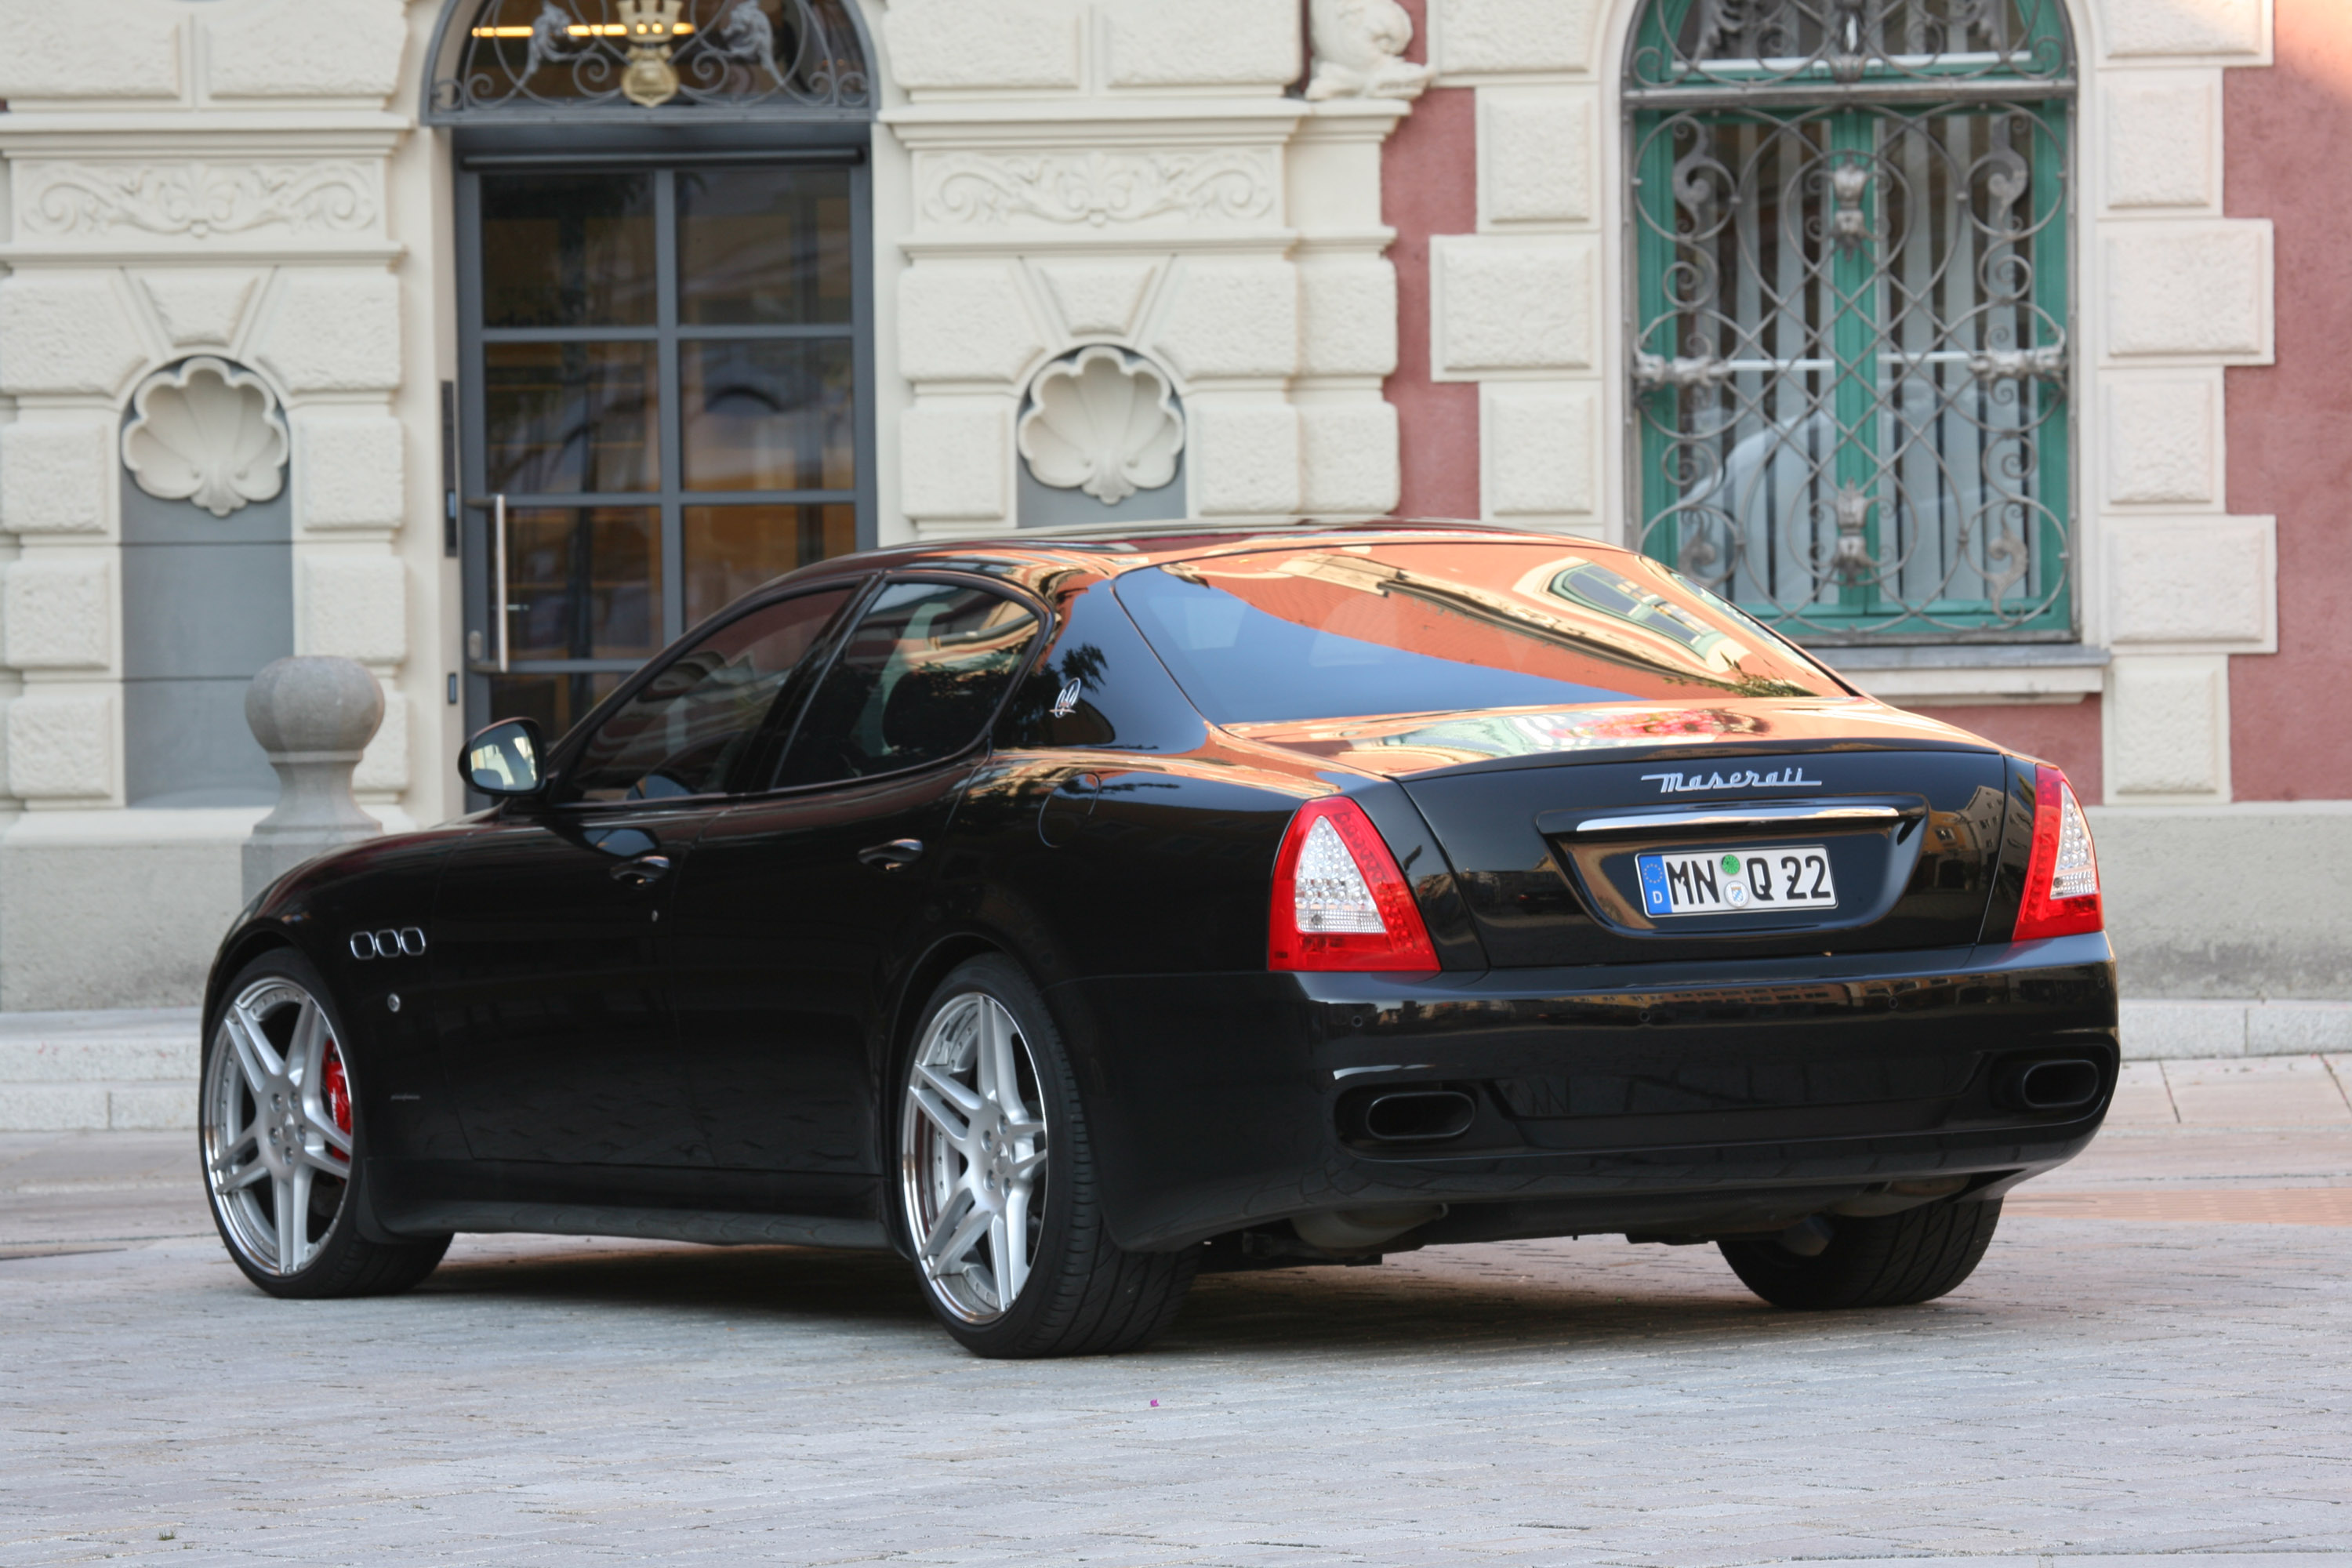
x=665, y=323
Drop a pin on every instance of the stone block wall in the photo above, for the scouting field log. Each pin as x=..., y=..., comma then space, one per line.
x=187, y=180
x=1130, y=172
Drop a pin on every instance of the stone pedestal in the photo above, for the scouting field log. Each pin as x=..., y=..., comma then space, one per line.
x=313, y=716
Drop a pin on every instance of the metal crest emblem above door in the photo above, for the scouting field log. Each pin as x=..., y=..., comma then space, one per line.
x=541, y=59
x=651, y=80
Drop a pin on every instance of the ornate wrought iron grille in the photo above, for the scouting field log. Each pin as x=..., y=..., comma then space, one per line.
x=1851, y=354
x=656, y=55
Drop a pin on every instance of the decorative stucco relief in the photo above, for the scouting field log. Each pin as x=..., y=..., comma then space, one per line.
x=196, y=200
x=1098, y=188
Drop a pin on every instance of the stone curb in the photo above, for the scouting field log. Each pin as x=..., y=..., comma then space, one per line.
x=2176, y=1031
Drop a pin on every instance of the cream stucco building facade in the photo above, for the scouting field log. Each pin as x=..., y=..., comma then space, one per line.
x=1418, y=296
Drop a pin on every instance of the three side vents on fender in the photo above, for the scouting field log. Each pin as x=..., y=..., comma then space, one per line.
x=406, y=942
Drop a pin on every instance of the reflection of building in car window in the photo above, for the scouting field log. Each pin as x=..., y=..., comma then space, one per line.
x=918, y=681
x=1401, y=628
x=947, y=644
x=685, y=732
x=1615, y=593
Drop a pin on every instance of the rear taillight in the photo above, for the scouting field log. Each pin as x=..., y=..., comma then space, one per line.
x=1340, y=902
x=2062, y=880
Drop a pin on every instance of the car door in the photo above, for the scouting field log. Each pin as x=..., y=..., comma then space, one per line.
x=552, y=1006
x=795, y=916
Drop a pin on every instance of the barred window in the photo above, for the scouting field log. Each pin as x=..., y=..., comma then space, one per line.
x=1850, y=356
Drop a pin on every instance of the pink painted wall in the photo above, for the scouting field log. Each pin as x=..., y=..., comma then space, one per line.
x=2068, y=736
x=1429, y=179
x=2287, y=129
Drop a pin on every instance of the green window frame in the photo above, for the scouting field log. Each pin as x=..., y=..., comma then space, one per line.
x=1851, y=251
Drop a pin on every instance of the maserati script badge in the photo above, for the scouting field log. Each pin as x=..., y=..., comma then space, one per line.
x=1696, y=783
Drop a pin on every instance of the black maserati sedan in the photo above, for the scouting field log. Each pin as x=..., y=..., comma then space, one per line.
x=1069, y=915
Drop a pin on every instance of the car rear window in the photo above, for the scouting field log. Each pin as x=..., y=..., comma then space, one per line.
x=1360, y=630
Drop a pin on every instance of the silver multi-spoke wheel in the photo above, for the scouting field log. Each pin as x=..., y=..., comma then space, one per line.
x=972, y=1154
x=277, y=1125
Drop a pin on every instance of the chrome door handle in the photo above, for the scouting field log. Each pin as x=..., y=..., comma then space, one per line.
x=643, y=871
x=895, y=856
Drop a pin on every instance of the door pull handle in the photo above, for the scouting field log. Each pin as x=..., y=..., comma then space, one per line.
x=895, y=856
x=643, y=871
x=502, y=606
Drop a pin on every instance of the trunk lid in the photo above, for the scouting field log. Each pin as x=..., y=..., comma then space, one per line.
x=1547, y=820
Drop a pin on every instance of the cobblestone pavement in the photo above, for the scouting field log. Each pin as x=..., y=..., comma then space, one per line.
x=2104, y=1389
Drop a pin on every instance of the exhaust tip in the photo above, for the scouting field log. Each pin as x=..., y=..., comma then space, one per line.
x=2065, y=1083
x=1418, y=1115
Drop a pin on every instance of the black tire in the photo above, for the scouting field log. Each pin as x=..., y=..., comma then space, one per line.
x=1894, y=1260
x=336, y=1261
x=1083, y=1294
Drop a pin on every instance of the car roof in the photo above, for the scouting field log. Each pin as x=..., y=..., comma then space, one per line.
x=1113, y=550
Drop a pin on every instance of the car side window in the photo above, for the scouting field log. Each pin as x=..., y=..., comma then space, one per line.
x=918, y=680
x=685, y=731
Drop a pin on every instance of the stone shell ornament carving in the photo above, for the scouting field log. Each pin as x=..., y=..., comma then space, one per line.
x=1103, y=422
x=208, y=432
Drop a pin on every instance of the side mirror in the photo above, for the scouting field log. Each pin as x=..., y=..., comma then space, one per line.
x=503, y=760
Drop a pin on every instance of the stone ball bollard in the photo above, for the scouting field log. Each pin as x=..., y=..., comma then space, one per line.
x=313, y=716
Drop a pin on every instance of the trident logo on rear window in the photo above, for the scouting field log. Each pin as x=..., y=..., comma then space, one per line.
x=1696, y=783
x=1066, y=703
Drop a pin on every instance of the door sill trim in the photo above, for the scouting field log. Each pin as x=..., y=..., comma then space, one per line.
x=711, y=1227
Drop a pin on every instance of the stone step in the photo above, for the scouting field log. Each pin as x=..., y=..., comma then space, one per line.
x=132, y=1071
x=140, y=1060
x=98, y=1107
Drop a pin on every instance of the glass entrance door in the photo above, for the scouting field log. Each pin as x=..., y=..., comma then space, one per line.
x=664, y=405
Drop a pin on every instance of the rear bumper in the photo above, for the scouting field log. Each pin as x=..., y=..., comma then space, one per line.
x=1736, y=1098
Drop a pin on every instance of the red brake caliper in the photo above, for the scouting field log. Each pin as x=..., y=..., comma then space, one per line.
x=338, y=1088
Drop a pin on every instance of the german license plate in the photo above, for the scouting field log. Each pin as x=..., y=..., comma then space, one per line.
x=1737, y=881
